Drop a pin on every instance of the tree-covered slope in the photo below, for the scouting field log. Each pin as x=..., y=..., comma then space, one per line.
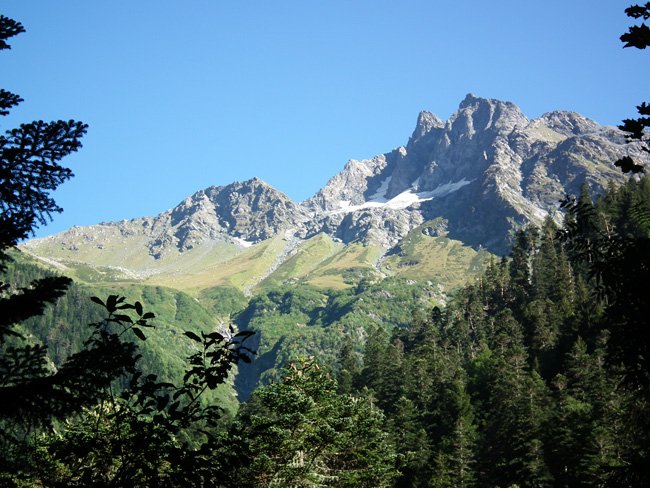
x=63, y=327
x=538, y=373
x=295, y=321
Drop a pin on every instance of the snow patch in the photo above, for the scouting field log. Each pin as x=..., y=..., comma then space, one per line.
x=242, y=242
x=446, y=189
x=403, y=200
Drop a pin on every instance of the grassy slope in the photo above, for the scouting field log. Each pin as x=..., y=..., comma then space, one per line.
x=345, y=268
x=110, y=256
x=117, y=255
x=104, y=246
x=307, y=258
x=243, y=270
x=445, y=261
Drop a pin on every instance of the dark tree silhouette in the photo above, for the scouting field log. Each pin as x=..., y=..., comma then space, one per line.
x=29, y=163
x=637, y=36
x=29, y=170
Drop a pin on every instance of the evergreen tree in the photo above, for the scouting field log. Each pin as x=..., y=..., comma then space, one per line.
x=413, y=444
x=515, y=409
x=348, y=369
x=585, y=429
x=520, y=263
x=300, y=432
x=455, y=457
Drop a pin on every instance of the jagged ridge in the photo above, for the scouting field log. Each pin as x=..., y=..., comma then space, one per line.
x=484, y=172
x=487, y=170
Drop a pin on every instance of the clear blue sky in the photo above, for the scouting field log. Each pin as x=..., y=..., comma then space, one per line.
x=181, y=95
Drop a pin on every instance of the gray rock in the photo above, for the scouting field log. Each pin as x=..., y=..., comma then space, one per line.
x=251, y=211
x=485, y=172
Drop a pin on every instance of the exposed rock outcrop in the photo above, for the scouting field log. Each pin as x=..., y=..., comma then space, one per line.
x=486, y=171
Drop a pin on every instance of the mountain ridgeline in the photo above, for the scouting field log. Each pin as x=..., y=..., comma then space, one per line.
x=475, y=178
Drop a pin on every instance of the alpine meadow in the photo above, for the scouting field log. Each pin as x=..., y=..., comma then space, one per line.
x=468, y=309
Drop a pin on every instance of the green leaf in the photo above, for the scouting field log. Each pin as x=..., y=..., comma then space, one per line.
x=111, y=303
x=123, y=318
x=148, y=315
x=139, y=333
x=216, y=335
x=138, y=308
x=98, y=301
x=192, y=336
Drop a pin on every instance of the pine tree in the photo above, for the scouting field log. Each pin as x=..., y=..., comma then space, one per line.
x=300, y=432
x=413, y=444
x=348, y=369
x=456, y=453
x=586, y=426
x=520, y=264
x=512, y=449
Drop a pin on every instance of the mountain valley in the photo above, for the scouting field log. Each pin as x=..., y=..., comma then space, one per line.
x=424, y=218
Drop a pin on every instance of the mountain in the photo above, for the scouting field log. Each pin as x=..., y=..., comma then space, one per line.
x=385, y=239
x=475, y=178
x=206, y=229
x=246, y=212
x=487, y=171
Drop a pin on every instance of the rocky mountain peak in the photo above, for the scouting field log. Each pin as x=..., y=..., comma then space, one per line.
x=426, y=122
x=241, y=212
x=486, y=171
x=569, y=123
x=476, y=114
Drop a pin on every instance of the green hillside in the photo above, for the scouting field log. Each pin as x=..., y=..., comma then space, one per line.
x=63, y=326
x=242, y=271
x=300, y=297
x=294, y=321
x=307, y=258
x=421, y=257
x=118, y=258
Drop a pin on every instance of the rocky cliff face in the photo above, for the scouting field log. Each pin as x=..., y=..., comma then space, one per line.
x=245, y=213
x=485, y=172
